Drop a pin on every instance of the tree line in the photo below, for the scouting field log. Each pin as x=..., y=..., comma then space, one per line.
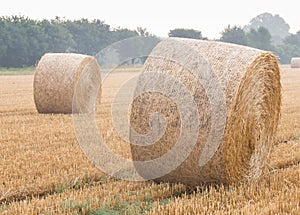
x=261, y=38
x=265, y=31
x=23, y=40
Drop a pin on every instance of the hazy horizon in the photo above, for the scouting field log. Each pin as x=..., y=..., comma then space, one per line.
x=158, y=16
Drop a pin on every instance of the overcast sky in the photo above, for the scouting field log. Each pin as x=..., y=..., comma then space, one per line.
x=158, y=16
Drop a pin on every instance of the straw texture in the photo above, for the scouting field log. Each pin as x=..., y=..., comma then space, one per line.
x=295, y=62
x=55, y=80
x=250, y=81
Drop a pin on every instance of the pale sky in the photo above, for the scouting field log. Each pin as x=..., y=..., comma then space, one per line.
x=158, y=16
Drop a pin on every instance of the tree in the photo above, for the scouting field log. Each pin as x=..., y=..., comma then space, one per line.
x=23, y=41
x=186, y=33
x=123, y=33
x=135, y=47
x=89, y=36
x=143, y=32
x=35, y=37
x=234, y=34
x=276, y=25
x=16, y=42
x=56, y=35
x=260, y=39
x=290, y=48
x=293, y=39
x=286, y=52
x=4, y=35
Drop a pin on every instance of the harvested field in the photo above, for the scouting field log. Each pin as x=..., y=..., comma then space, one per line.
x=43, y=170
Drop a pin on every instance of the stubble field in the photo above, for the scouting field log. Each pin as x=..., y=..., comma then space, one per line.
x=44, y=171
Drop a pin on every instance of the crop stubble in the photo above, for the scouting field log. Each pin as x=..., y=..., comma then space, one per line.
x=43, y=169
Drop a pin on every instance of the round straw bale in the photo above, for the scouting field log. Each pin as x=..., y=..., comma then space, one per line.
x=237, y=94
x=295, y=62
x=55, y=80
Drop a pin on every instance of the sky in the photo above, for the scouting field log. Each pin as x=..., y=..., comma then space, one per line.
x=158, y=16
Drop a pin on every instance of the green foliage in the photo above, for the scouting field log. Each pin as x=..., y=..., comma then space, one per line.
x=260, y=39
x=286, y=52
x=138, y=47
x=276, y=25
x=80, y=208
x=234, y=34
x=293, y=39
x=186, y=33
x=266, y=32
x=290, y=48
x=23, y=41
x=54, y=36
x=17, y=71
x=18, y=41
x=124, y=208
x=89, y=37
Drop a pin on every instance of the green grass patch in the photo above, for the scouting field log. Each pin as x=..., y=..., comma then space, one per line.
x=123, y=208
x=17, y=71
x=80, y=208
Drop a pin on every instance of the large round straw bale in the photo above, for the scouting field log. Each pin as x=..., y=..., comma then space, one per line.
x=248, y=81
x=295, y=62
x=55, y=80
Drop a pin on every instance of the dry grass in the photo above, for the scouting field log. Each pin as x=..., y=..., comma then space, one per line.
x=38, y=152
x=289, y=128
x=43, y=171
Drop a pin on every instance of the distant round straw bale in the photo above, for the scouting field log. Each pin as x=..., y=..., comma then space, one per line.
x=248, y=81
x=55, y=80
x=295, y=62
